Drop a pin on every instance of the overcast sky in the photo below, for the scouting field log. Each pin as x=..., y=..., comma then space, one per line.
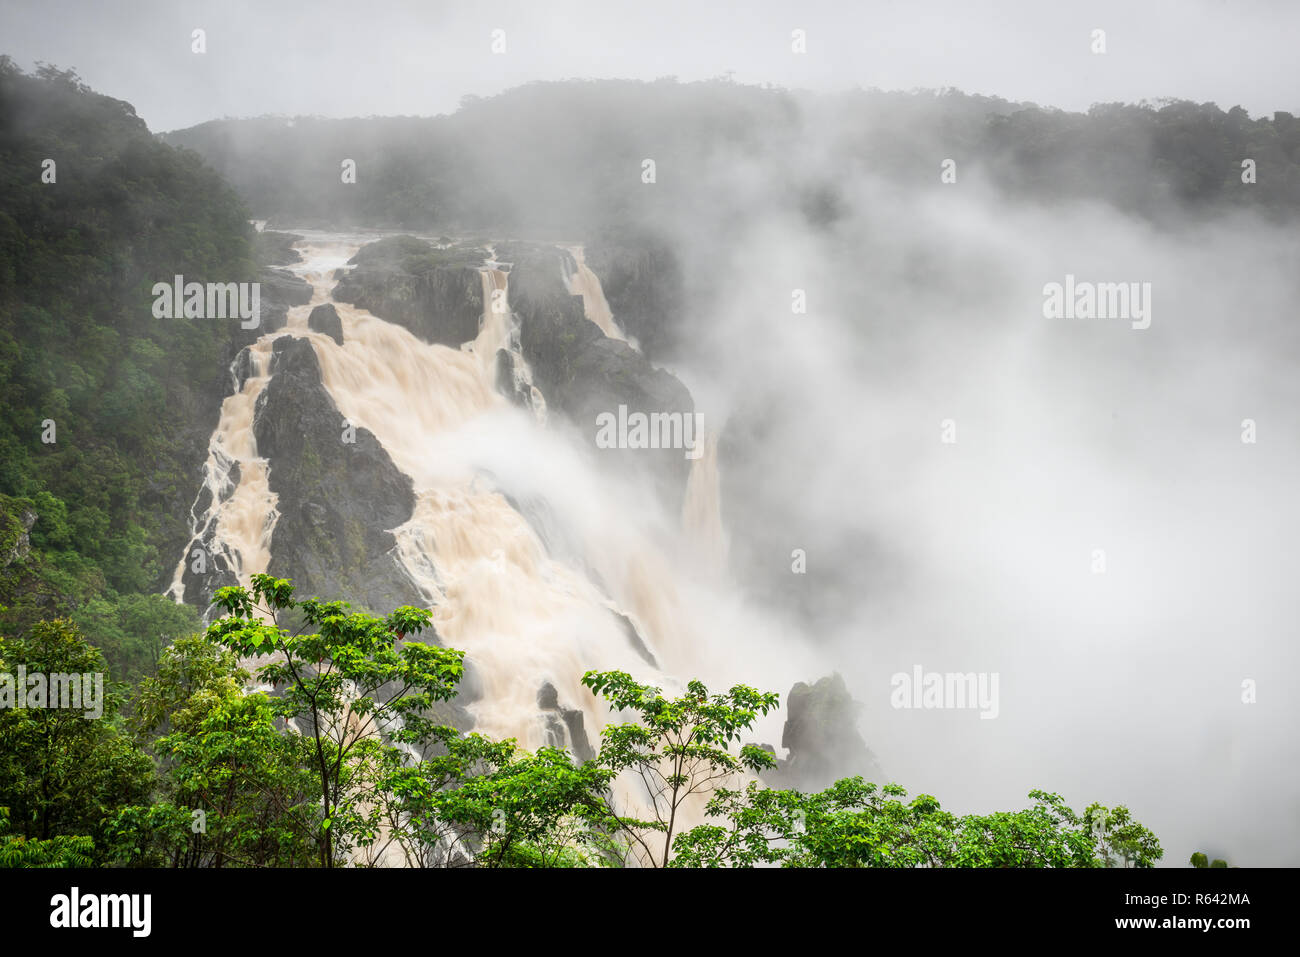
x=388, y=57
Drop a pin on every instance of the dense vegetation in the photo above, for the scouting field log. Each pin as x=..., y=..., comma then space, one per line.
x=565, y=157
x=344, y=761
x=104, y=409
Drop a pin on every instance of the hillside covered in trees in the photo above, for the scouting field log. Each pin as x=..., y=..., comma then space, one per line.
x=566, y=157
x=104, y=409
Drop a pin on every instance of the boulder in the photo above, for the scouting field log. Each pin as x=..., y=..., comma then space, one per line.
x=325, y=318
x=564, y=726
x=435, y=294
x=280, y=291
x=275, y=248
x=821, y=734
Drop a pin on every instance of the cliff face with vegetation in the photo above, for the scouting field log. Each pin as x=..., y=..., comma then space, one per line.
x=106, y=410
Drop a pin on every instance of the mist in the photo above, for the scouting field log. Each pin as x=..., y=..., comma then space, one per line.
x=925, y=307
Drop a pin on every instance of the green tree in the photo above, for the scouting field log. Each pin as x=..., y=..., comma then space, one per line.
x=62, y=770
x=237, y=790
x=64, y=851
x=856, y=823
x=533, y=810
x=353, y=684
x=132, y=630
x=1120, y=840
x=678, y=751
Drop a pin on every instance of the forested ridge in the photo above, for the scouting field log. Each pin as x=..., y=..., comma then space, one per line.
x=566, y=157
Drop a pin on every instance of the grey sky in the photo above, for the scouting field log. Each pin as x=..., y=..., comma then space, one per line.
x=343, y=58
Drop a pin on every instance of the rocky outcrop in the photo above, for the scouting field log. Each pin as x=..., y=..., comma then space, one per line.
x=15, y=538
x=635, y=640
x=516, y=392
x=822, y=737
x=338, y=490
x=643, y=283
x=275, y=248
x=580, y=371
x=325, y=318
x=565, y=727
x=281, y=290
x=206, y=568
x=436, y=294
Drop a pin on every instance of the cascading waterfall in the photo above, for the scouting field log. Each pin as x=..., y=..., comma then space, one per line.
x=523, y=616
x=701, y=511
x=583, y=282
x=499, y=331
x=242, y=508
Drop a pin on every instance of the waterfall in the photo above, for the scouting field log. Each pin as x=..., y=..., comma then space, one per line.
x=583, y=282
x=522, y=616
x=701, y=508
x=242, y=508
x=524, y=612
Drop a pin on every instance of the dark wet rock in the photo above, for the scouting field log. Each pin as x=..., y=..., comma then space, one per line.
x=206, y=569
x=578, y=740
x=644, y=285
x=548, y=699
x=241, y=369
x=581, y=372
x=565, y=727
x=519, y=394
x=203, y=502
x=325, y=318
x=821, y=735
x=281, y=290
x=635, y=640
x=337, y=498
x=275, y=248
x=436, y=294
